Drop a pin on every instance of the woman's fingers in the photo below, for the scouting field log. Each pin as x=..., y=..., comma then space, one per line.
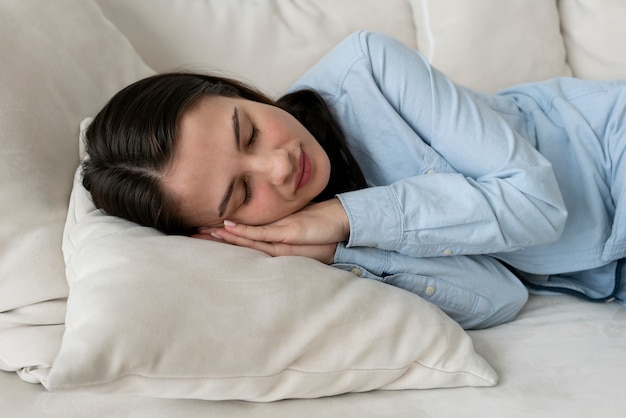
x=225, y=236
x=265, y=233
x=324, y=253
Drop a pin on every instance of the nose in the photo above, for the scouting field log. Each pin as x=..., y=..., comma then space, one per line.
x=275, y=165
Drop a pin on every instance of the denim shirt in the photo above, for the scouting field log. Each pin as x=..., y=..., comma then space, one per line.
x=524, y=176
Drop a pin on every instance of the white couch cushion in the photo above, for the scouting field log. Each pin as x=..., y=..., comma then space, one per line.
x=269, y=43
x=60, y=61
x=177, y=317
x=595, y=36
x=490, y=44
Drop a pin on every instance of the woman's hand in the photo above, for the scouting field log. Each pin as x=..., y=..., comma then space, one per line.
x=322, y=252
x=312, y=232
x=319, y=223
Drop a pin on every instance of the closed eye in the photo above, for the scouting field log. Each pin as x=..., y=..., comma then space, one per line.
x=247, y=192
x=246, y=181
x=253, y=136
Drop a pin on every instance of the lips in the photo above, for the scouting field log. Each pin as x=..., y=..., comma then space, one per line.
x=304, y=170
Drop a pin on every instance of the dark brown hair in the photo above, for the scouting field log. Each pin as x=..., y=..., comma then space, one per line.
x=132, y=139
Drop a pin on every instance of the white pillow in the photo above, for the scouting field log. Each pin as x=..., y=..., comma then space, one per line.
x=490, y=44
x=60, y=60
x=177, y=317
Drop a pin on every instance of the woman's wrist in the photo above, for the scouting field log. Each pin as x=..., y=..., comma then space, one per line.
x=342, y=220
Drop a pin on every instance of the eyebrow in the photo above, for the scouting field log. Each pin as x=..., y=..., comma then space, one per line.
x=236, y=125
x=231, y=186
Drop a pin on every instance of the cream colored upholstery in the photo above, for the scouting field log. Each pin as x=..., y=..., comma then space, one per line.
x=61, y=60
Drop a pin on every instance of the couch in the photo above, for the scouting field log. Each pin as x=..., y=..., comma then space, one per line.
x=79, y=291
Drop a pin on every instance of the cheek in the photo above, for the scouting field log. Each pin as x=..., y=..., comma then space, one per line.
x=321, y=171
x=282, y=128
x=269, y=206
x=265, y=207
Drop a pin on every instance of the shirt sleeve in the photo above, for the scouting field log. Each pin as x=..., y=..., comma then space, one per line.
x=477, y=291
x=502, y=196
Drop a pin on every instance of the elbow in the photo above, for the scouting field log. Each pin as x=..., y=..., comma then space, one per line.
x=505, y=303
x=544, y=217
x=506, y=310
x=552, y=210
x=531, y=228
x=552, y=228
x=560, y=224
x=502, y=308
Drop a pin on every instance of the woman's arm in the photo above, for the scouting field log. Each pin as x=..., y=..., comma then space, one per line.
x=503, y=195
x=477, y=291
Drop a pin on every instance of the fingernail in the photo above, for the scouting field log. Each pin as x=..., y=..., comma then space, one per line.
x=214, y=235
x=229, y=223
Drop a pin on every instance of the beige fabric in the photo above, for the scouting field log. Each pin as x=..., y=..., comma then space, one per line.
x=562, y=358
x=594, y=36
x=482, y=44
x=178, y=317
x=269, y=42
x=60, y=60
x=489, y=44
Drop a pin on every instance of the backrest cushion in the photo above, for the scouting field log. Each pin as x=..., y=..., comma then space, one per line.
x=61, y=60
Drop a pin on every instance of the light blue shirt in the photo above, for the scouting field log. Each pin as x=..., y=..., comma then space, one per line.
x=458, y=179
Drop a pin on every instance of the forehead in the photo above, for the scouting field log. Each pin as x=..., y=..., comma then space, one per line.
x=198, y=173
x=208, y=111
x=204, y=130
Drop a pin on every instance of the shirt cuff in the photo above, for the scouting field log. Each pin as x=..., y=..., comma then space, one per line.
x=375, y=218
x=374, y=260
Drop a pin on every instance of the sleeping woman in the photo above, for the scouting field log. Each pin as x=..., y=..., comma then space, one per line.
x=378, y=164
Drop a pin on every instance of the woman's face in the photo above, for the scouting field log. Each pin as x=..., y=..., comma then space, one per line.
x=243, y=161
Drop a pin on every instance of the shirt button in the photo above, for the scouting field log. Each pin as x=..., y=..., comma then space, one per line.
x=431, y=171
x=447, y=252
x=430, y=290
x=356, y=271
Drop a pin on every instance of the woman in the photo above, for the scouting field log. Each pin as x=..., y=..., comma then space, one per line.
x=445, y=192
